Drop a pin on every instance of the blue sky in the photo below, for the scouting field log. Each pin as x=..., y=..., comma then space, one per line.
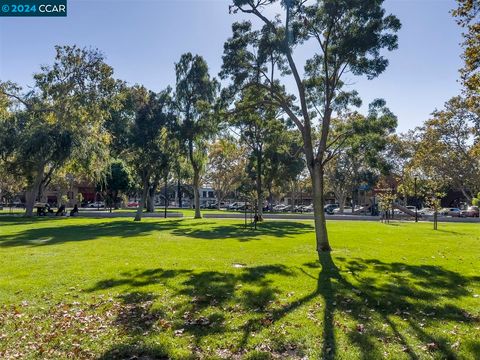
x=143, y=39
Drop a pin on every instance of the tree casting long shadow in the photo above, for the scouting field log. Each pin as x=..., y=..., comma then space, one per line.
x=409, y=296
x=398, y=308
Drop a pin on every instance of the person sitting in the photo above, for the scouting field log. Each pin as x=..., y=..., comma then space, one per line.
x=74, y=211
x=60, y=211
x=48, y=209
x=40, y=210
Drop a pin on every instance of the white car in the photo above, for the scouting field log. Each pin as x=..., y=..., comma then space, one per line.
x=426, y=211
x=236, y=206
x=454, y=212
x=280, y=207
x=96, y=204
x=399, y=212
x=308, y=208
x=348, y=210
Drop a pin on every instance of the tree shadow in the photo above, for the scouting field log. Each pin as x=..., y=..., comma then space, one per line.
x=21, y=220
x=410, y=296
x=136, y=350
x=64, y=233
x=391, y=308
x=277, y=229
x=204, y=302
x=137, y=279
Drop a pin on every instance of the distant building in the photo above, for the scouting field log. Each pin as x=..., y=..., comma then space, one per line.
x=185, y=194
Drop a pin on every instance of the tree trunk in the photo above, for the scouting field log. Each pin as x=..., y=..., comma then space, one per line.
x=179, y=194
x=259, y=187
x=165, y=195
x=467, y=196
x=32, y=192
x=294, y=195
x=141, y=205
x=270, y=197
x=220, y=198
x=115, y=200
x=151, y=198
x=196, y=193
x=341, y=202
x=318, y=205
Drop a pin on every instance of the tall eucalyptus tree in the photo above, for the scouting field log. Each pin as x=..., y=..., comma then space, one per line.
x=346, y=35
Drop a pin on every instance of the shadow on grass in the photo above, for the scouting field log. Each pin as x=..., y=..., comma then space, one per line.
x=409, y=296
x=203, y=302
x=63, y=233
x=277, y=229
x=136, y=350
x=372, y=312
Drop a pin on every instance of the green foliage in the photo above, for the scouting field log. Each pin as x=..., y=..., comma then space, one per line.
x=385, y=200
x=347, y=35
x=152, y=139
x=226, y=166
x=118, y=179
x=195, y=93
x=59, y=124
x=444, y=149
x=358, y=155
x=467, y=17
x=476, y=200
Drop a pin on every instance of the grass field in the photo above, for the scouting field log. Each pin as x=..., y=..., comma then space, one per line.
x=181, y=289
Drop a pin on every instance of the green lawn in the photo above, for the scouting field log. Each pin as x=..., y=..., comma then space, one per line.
x=181, y=289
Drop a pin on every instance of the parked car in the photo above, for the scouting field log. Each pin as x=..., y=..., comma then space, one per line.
x=308, y=208
x=243, y=207
x=471, y=211
x=304, y=208
x=454, y=212
x=348, y=210
x=133, y=204
x=426, y=211
x=400, y=212
x=96, y=204
x=232, y=206
x=236, y=206
x=280, y=207
x=329, y=208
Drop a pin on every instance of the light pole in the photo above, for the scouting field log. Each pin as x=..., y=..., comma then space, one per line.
x=416, y=198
